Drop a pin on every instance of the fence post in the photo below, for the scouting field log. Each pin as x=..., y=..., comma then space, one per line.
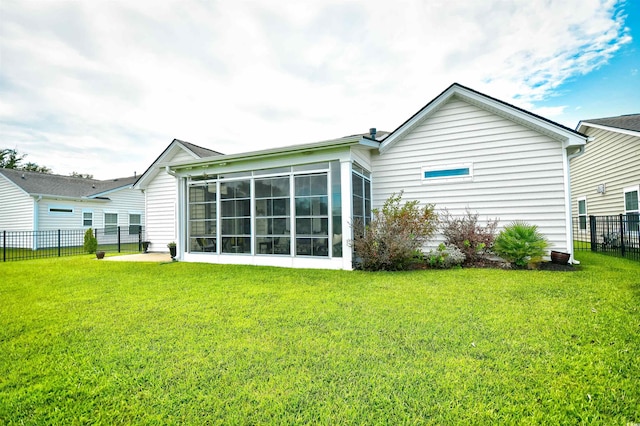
x=118, y=239
x=59, y=243
x=4, y=246
x=140, y=238
x=593, y=233
x=622, y=235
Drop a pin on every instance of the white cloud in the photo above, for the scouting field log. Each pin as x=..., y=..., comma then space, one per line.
x=103, y=87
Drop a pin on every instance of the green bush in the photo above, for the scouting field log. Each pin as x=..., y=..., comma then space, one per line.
x=390, y=241
x=90, y=241
x=520, y=244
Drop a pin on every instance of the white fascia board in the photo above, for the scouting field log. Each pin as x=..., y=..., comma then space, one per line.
x=101, y=194
x=67, y=198
x=159, y=163
x=275, y=152
x=583, y=125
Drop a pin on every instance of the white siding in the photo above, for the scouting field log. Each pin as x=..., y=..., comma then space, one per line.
x=161, y=198
x=123, y=202
x=518, y=173
x=613, y=159
x=16, y=208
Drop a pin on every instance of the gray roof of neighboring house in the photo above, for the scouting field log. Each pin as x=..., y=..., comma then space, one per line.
x=64, y=186
x=626, y=122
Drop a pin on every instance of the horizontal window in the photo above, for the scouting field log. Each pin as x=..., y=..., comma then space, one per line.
x=448, y=173
x=60, y=210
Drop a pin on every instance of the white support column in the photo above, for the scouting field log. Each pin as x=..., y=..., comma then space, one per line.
x=347, y=234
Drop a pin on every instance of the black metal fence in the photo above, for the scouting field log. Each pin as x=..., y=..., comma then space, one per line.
x=22, y=245
x=618, y=235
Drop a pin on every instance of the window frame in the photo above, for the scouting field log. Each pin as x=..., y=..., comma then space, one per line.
x=61, y=210
x=447, y=173
x=139, y=225
x=582, y=217
x=108, y=228
x=90, y=212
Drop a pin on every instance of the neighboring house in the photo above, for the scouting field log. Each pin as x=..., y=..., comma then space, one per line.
x=294, y=206
x=160, y=192
x=605, y=179
x=33, y=201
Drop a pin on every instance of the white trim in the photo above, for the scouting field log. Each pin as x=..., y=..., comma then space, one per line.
x=584, y=124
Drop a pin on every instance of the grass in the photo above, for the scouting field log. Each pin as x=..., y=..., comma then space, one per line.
x=86, y=341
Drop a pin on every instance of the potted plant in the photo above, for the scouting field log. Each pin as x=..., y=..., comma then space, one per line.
x=145, y=246
x=172, y=248
x=559, y=257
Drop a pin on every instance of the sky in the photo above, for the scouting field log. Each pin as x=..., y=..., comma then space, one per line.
x=103, y=87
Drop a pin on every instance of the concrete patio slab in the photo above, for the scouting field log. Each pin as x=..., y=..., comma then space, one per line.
x=141, y=257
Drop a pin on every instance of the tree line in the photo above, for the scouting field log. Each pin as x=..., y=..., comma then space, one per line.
x=12, y=159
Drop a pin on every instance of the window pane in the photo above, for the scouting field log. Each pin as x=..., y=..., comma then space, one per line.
x=582, y=207
x=303, y=206
x=631, y=201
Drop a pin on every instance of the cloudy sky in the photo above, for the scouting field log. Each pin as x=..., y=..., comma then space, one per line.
x=103, y=87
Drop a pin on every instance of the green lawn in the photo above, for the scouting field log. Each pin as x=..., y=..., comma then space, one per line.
x=87, y=341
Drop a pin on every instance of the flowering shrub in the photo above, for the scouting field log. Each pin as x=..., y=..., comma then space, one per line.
x=472, y=238
x=445, y=257
x=394, y=234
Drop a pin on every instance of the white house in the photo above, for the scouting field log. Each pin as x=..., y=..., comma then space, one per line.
x=31, y=201
x=293, y=206
x=160, y=192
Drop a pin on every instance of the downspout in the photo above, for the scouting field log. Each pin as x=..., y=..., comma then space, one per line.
x=570, y=157
x=176, y=212
x=36, y=220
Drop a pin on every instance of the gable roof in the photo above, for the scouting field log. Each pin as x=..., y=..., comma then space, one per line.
x=567, y=136
x=34, y=183
x=194, y=150
x=629, y=123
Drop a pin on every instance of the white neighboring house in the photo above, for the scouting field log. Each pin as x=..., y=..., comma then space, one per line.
x=160, y=192
x=31, y=201
x=294, y=206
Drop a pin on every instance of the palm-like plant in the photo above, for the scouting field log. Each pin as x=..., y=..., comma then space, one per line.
x=520, y=243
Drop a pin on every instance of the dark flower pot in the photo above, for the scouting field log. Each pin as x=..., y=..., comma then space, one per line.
x=172, y=250
x=100, y=254
x=559, y=257
x=145, y=246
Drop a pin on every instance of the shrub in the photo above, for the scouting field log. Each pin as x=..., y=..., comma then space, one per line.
x=90, y=241
x=445, y=257
x=395, y=233
x=464, y=232
x=520, y=244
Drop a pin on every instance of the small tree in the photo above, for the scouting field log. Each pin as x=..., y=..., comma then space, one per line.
x=393, y=236
x=520, y=244
x=90, y=241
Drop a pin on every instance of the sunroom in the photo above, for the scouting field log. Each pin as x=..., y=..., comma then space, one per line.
x=291, y=207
